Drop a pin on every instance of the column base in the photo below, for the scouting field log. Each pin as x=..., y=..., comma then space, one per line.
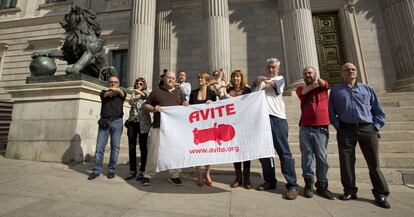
x=404, y=85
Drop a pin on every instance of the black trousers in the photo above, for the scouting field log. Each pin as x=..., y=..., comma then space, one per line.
x=133, y=135
x=367, y=137
x=238, y=165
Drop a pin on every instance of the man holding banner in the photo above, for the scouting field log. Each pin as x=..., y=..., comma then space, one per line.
x=165, y=95
x=224, y=131
x=273, y=85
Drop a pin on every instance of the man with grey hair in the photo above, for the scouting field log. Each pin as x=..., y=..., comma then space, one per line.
x=273, y=84
x=356, y=113
x=313, y=133
x=165, y=95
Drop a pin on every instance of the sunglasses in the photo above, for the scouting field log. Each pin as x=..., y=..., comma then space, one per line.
x=140, y=83
x=113, y=82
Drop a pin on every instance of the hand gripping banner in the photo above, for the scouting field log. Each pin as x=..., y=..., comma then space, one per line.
x=225, y=131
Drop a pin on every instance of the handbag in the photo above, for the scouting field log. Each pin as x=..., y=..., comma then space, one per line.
x=103, y=123
x=127, y=123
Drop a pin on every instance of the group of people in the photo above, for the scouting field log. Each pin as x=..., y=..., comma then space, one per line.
x=351, y=107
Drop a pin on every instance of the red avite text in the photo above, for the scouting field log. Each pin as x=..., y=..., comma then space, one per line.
x=212, y=113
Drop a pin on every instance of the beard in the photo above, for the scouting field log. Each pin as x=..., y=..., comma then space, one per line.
x=309, y=80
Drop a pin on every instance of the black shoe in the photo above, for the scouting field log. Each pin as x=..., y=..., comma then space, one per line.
x=265, y=186
x=381, y=201
x=131, y=176
x=92, y=176
x=175, y=181
x=146, y=181
x=139, y=177
x=347, y=196
x=308, y=192
x=111, y=175
x=326, y=194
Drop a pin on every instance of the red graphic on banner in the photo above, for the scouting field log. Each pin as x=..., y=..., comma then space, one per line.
x=218, y=133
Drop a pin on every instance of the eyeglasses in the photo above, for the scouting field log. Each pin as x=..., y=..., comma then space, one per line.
x=113, y=82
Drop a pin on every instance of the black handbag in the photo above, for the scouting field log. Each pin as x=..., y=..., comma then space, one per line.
x=103, y=123
x=127, y=123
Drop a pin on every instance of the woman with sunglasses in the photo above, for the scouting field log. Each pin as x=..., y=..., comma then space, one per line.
x=203, y=94
x=138, y=126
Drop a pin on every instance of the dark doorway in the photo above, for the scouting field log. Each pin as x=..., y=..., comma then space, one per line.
x=329, y=45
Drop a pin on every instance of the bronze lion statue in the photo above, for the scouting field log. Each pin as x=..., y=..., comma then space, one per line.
x=82, y=47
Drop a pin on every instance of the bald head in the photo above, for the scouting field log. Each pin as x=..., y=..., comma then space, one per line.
x=169, y=79
x=349, y=73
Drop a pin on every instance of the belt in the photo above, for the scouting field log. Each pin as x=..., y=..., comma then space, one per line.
x=111, y=119
x=317, y=127
x=354, y=124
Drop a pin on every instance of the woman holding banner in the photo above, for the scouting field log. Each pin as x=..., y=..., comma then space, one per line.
x=203, y=95
x=238, y=86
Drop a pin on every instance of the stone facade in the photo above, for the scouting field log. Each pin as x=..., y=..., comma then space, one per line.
x=255, y=33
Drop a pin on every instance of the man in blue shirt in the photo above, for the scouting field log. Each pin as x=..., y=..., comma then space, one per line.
x=357, y=115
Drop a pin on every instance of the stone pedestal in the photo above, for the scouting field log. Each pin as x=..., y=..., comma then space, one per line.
x=54, y=121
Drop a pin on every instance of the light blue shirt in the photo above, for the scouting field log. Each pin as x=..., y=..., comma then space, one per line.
x=186, y=89
x=359, y=104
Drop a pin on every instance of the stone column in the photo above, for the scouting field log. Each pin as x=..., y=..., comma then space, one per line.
x=163, y=41
x=216, y=38
x=398, y=18
x=298, y=39
x=352, y=44
x=141, y=41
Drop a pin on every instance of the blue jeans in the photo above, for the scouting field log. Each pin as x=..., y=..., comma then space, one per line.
x=114, y=130
x=280, y=142
x=314, y=141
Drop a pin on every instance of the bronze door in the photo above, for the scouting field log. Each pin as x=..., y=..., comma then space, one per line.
x=329, y=45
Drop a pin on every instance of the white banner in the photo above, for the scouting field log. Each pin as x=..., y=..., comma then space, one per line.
x=225, y=131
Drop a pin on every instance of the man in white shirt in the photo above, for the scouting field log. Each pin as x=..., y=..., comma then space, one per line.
x=185, y=86
x=273, y=84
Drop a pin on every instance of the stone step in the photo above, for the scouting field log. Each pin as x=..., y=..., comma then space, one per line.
x=385, y=147
x=295, y=104
x=407, y=135
x=397, y=103
x=389, y=126
x=387, y=160
x=392, y=175
x=386, y=99
x=293, y=118
x=295, y=110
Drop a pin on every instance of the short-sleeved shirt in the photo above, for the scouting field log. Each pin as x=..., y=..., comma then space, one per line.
x=112, y=107
x=314, y=106
x=163, y=97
